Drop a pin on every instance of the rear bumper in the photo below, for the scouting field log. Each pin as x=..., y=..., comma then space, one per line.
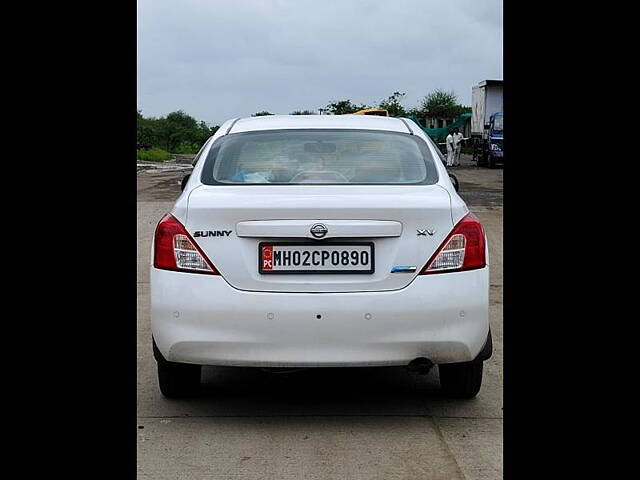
x=201, y=319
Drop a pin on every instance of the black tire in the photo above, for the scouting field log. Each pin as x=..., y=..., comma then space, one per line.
x=461, y=380
x=454, y=181
x=176, y=380
x=492, y=162
x=482, y=159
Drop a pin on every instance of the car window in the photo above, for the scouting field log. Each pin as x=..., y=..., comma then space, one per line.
x=497, y=123
x=319, y=157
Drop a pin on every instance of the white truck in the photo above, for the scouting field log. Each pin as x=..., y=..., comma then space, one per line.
x=487, y=123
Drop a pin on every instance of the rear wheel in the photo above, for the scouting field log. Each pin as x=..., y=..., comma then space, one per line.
x=476, y=153
x=492, y=161
x=461, y=380
x=177, y=380
x=480, y=153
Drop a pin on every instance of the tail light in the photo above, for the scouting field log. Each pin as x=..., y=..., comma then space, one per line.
x=174, y=249
x=463, y=249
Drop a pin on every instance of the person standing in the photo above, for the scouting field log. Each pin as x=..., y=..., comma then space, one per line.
x=457, y=145
x=451, y=149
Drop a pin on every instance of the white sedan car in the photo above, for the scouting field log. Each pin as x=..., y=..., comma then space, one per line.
x=320, y=241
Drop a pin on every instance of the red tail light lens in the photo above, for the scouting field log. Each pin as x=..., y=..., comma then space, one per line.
x=174, y=249
x=463, y=249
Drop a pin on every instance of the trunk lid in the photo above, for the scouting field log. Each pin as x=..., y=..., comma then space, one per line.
x=387, y=215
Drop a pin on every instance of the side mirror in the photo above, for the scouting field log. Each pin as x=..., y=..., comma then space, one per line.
x=184, y=181
x=454, y=180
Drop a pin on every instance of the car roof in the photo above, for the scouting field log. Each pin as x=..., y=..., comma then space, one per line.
x=279, y=122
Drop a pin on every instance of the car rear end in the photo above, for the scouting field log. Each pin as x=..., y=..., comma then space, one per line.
x=321, y=244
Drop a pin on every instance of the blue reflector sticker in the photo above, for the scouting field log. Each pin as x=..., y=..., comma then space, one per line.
x=403, y=269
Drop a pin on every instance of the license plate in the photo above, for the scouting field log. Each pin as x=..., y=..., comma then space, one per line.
x=354, y=257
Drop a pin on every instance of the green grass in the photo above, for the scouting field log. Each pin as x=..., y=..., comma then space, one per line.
x=154, y=155
x=186, y=147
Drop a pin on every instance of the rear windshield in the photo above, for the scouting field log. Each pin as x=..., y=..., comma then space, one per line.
x=319, y=157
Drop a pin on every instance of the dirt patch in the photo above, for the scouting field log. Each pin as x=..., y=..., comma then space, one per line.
x=158, y=185
x=475, y=194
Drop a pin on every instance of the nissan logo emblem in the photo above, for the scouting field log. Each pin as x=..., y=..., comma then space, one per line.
x=319, y=230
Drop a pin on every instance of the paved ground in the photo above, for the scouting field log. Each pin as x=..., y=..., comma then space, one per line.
x=320, y=424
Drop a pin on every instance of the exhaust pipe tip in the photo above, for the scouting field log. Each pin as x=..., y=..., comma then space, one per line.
x=420, y=365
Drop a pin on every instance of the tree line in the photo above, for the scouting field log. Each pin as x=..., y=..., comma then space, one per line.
x=437, y=104
x=178, y=132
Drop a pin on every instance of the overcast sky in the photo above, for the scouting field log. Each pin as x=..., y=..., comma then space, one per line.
x=220, y=59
